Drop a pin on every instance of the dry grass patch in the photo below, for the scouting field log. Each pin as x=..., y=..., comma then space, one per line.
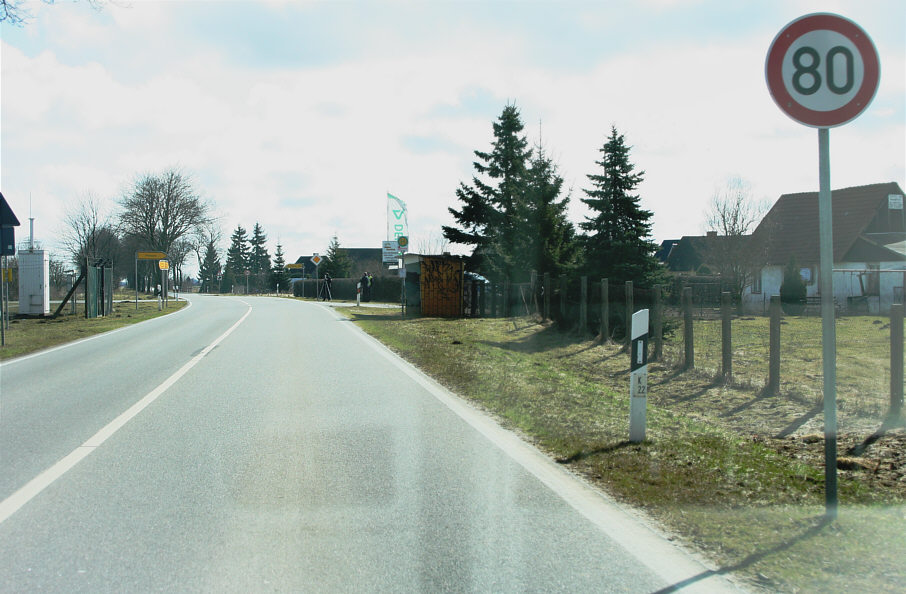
x=34, y=334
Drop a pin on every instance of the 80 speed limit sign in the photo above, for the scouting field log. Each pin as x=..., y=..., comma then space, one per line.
x=822, y=70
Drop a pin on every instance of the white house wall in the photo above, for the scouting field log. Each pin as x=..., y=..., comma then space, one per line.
x=846, y=284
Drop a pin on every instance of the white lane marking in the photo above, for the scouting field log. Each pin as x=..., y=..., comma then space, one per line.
x=30, y=490
x=96, y=336
x=666, y=559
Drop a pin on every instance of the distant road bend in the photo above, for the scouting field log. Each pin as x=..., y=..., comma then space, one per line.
x=264, y=444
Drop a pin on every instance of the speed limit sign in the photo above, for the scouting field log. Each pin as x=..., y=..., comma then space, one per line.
x=822, y=70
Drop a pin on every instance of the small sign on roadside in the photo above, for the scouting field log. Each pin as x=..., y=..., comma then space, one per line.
x=390, y=251
x=638, y=376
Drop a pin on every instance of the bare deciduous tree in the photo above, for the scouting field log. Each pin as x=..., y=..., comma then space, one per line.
x=159, y=211
x=88, y=232
x=162, y=209
x=733, y=214
x=16, y=12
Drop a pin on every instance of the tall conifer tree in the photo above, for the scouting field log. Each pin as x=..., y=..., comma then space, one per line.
x=489, y=217
x=279, y=278
x=616, y=244
x=546, y=240
x=209, y=269
x=336, y=261
x=237, y=260
x=259, y=259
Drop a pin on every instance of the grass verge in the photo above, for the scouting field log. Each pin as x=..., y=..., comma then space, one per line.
x=26, y=336
x=754, y=505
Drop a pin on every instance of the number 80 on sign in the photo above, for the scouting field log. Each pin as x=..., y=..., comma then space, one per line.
x=822, y=70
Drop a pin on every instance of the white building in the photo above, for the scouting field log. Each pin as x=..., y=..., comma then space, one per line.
x=869, y=237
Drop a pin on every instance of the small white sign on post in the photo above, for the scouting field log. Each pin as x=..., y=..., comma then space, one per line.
x=390, y=252
x=638, y=376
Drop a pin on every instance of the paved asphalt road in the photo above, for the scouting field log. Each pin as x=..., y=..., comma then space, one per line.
x=256, y=445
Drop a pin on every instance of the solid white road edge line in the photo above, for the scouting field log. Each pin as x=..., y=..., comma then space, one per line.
x=664, y=558
x=30, y=490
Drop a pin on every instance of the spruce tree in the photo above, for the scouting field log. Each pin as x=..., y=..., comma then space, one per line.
x=237, y=261
x=546, y=238
x=209, y=269
x=617, y=244
x=489, y=217
x=279, y=278
x=336, y=260
x=259, y=258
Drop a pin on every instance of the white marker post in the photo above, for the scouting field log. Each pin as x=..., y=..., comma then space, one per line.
x=638, y=376
x=822, y=70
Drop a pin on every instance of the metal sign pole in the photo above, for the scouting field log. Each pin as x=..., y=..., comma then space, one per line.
x=828, y=323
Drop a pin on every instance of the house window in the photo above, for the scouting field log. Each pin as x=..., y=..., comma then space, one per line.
x=756, y=282
x=808, y=276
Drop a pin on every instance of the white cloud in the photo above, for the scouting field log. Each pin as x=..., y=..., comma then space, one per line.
x=310, y=150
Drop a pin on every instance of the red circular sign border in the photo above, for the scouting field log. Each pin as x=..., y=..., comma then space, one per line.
x=774, y=72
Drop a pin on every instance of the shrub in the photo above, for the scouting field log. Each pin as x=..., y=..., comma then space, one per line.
x=792, y=290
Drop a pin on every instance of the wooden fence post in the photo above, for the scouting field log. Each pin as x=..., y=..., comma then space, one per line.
x=605, y=310
x=896, y=359
x=658, y=323
x=583, y=307
x=726, y=337
x=547, y=295
x=534, y=289
x=493, y=300
x=629, y=311
x=688, y=337
x=483, y=297
x=774, y=356
x=563, y=298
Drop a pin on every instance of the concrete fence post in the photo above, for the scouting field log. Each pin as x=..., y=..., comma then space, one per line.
x=688, y=332
x=774, y=356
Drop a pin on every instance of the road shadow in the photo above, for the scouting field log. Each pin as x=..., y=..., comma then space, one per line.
x=589, y=453
x=820, y=524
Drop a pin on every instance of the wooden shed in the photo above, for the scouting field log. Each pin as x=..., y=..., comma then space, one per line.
x=440, y=284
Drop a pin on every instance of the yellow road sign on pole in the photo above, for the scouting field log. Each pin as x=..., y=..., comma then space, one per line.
x=150, y=255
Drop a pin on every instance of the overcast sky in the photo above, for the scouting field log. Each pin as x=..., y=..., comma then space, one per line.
x=302, y=116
